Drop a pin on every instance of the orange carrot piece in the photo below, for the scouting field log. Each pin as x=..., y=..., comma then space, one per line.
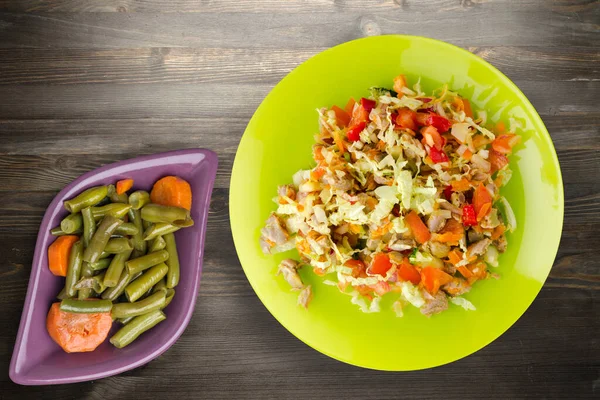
x=418, y=228
x=481, y=197
x=337, y=138
x=455, y=256
x=341, y=116
x=399, y=83
x=465, y=272
x=350, y=106
x=124, y=185
x=77, y=333
x=433, y=278
x=460, y=186
x=172, y=191
x=58, y=254
x=467, y=108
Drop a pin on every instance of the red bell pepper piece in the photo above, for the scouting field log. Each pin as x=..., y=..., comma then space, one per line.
x=442, y=124
x=437, y=156
x=448, y=192
x=354, y=132
x=367, y=104
x=469, y=216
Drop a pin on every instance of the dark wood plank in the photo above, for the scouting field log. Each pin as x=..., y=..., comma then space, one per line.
x=499, y=26
x=165, y=100
x=225, y=65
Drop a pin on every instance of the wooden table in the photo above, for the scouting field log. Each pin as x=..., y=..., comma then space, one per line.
x=86, y=83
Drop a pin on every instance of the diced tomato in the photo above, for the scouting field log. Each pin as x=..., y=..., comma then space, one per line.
x=434, y=278
x=359, y=114
x=418, y=228
x=381, y=264
x=448, y=192
x=469, y=216
x=497, y=160
x=399, y=83
x=342, y=117
x=407, y=118
x=368, y=104
x=358, y=267
x=437, y=156
x=354, y=132
x=381, y=288
x=481, y=197
x=421, y=118
x=407, y=272
x=350, y=106
x=440, y=123
x=432, y=137
x=504, y=143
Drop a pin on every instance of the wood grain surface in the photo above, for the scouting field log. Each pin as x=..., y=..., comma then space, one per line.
x=82, y=81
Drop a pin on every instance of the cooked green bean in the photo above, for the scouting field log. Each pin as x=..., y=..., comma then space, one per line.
x=86, y=272
x=169, y=297
x=74, y=268
x=141, y=285
x=149, y=260
x=100, y=264
x=172, y=262
x=145, y=224
x=157, y=213
x=118, y=245
x=98, y=242
x=153, y=302
x=117, y=210
x=125, y=321
x=88, y=198
x=139, y=199
x=161, y=285
x=95, y=282
x=157, y=244
x=136, y=327
x=59, y=232
x=159, y=229
x=62, y=294
x=114, y=292
x=85, y=307
x=72, y=223
x=105, y=254
x=116, y=268
x=115, y=197
x=137, y=238
x=128, y=229
x=89, y=225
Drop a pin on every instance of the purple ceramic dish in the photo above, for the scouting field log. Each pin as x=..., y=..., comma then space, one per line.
x=36, y=359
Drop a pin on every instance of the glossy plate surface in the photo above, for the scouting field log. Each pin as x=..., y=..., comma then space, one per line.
x=277, y=143
x=36, y=359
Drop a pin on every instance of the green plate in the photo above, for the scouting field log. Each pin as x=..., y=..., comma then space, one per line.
x=277, y=143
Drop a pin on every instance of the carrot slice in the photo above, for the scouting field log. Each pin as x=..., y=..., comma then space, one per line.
x=172, y=191
x=124, y=185
x=481, y=197
x=58, y=254
x=77, y=333
x=418, y=228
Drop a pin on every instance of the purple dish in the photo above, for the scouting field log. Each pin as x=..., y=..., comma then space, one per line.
x=37, y=359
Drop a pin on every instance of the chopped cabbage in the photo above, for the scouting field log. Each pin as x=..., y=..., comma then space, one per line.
x=509, y=215
x=412, y=294
x=464, y=303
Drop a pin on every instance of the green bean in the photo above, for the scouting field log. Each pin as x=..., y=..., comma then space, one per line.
x=125, y=321
x=86, y=272
x=136, y=327
x=172, y=262
x=94, y=282
x=146, y=224
x=100, y=239
x=141, y=285
x=139, y=243
x=157, y=213
x=105, y=254
x=72, y=223
x=127, y=229
x=139, y=199
x=161, y=285
x=168, y=297
x=159, y=229
x=90, y=197
x=59, y=232
x=114, y=292
x=62, y=294
x=149, y=260
x=115, y=197
x=89, y=225
x=116, y=268
x=157, y=244
x=100, y=264
x=74, y=268
x=153, y=302
x=117, y=210
x=137, y=254
x=85, y=307
x=118, y=245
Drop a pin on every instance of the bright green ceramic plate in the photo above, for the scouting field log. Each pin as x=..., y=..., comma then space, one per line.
x=277, y=143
